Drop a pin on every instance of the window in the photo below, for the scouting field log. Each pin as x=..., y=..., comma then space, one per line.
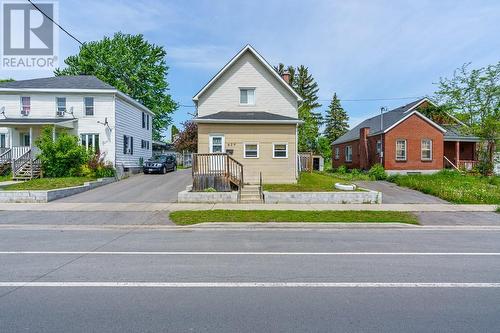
x=128, y=145
x=145, y=144
x=2, y=141
x=379, y=147
x=143, y=120
x=247, y=96
x=216, y=144
x=89, y=106
x=90, y=141
x=426, y=150
x=348, y=153
x=337, y=153
x=280, y=150
x=25, y=105
x=251, y=150
x=147, y=122
x=400, y=150
x=60, y=106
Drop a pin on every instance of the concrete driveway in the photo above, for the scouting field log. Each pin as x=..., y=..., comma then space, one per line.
x=138, y=188
x=394, y=194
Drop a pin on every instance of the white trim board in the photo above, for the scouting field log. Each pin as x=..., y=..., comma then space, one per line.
x=263, y=61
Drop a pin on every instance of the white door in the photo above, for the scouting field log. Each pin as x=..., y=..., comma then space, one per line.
x=216, y=145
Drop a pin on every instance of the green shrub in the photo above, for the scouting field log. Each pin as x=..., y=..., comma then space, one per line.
x=99, y=167
x=377, y=172
x=61, y=157
x=210, y=189
x=341, y=169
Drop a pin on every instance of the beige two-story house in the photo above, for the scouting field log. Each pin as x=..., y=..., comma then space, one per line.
x=248, y=111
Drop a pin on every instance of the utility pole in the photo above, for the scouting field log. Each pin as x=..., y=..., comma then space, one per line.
x=381, y=154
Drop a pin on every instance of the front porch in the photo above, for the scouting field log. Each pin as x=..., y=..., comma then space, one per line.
x=460, y=155
x=20, y=155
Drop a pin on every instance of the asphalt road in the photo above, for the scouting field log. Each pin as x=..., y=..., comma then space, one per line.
x=206, y=280
x=138, y=188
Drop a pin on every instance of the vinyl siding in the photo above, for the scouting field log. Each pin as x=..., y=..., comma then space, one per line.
x=247, y=72
x=274, y=170
x=129, y=122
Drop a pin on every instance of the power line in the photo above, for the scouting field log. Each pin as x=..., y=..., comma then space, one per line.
x=52, y=20
x=373, y=99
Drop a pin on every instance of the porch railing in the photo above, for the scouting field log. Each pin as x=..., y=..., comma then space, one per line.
x=467, y=164
x=5, y=155
x=216, y=170
x=19, y=151
x=18, y=163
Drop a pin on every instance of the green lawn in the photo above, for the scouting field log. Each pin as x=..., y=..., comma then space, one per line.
x=308, y=182
x=454, y=187
x=48, y=183
x=199, y=216
x=5, y=177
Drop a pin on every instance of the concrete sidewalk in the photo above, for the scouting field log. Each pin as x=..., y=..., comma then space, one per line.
x=150, y=207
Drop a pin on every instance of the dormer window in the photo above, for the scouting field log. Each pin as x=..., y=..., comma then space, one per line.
x=25, y=105
x=247, y=96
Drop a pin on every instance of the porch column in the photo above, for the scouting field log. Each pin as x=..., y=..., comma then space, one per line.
x=457, y=153
x=31, y=137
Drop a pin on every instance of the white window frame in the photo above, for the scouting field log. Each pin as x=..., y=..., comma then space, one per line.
x=422, y=150
x=60, y=113
x=3, y=140
x=336, y=153
x=86, y=145
x=274, y=149
x=405, y=157
x=25, y=114
x=348, y=148
x=245, y=149
x=247, y=89
x=379, y=147
x=85, y=107
x=210, y=142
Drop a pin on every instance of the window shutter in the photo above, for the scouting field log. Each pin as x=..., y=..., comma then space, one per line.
x=131, y=145
x=147, y=122
x=124, y=144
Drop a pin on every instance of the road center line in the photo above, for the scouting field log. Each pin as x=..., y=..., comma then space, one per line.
x=203, y=253
x=253, y=284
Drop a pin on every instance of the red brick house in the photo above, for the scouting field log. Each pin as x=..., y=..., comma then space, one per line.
x=403, y=140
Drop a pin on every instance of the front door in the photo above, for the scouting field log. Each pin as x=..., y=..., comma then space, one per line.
x=216, y=145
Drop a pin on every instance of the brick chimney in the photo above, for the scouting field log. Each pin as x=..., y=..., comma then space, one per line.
x=363, y=148
x=286, y=76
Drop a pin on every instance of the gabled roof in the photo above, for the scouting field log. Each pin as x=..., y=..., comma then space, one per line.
x=390, y=119
x=60, y=82
x=247, y=117
x=248, y=48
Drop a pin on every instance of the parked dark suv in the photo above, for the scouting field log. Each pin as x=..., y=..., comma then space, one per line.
x=160, y=164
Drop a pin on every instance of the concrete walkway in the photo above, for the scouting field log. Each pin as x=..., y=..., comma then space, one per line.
x=149, y=207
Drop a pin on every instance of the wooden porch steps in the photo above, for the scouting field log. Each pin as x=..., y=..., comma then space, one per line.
x=250, y=194
x=24, y=173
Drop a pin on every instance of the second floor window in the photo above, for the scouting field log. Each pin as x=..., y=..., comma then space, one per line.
x=25, y=105
x=247, y=96
x=89, y=106
x=61, y=106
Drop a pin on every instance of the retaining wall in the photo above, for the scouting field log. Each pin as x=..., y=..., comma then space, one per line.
x=341, y=197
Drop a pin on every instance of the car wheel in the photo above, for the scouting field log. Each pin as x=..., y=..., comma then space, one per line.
x=164, y=170
x=174, y=168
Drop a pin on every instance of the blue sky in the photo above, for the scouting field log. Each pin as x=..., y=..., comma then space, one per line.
x=359, y=49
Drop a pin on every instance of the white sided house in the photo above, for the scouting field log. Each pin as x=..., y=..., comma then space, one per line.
x=247, y=126
x=102, y=117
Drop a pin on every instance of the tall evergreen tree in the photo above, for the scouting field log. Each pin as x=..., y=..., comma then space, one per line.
x=305, y=85
x=336, y=120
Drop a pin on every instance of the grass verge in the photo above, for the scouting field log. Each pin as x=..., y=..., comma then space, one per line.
x=308, y=182
x=454, y=187
x=48, y=183
x=188, y=217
